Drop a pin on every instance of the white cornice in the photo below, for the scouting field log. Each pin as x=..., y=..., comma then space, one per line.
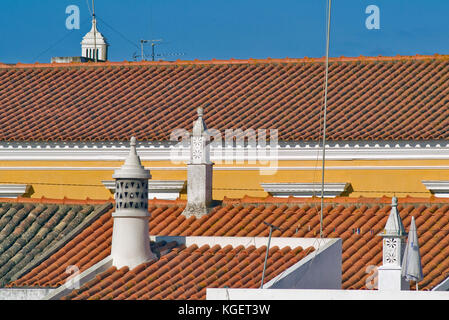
x=160, y=189
x=440, y=188
x=303, y=190
x=225, y=168
x=13, y=190
x=157, y=151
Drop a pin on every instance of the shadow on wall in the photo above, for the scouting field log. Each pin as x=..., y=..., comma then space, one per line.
x=29, y=192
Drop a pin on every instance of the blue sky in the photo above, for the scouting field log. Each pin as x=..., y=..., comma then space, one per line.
x=33, y=30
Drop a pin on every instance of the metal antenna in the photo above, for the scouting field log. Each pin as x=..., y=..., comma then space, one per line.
x=324, y=117
x=95, y=30
x=170, y=54
x=268, y=248
x=142, y=57
x=153, y=44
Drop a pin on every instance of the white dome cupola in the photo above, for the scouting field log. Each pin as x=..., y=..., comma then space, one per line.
x=94, y=43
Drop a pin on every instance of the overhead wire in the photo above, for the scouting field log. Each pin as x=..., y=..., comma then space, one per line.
x=58, y=41
x=118, y=32
x=223, y=189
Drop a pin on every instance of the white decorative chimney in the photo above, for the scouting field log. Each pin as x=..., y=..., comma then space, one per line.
x=389, y=274
x=130, y=235
x=94, y=43
x=199, y=171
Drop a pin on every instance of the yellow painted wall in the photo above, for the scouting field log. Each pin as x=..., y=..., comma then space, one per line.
x=79, y=184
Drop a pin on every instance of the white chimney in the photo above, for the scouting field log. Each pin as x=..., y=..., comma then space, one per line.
x=130, y=236
x=393, y=245
x=199, y=171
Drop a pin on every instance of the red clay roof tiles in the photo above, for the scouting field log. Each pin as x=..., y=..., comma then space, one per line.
x=185, y=273
x=356, y=220
x=370, y=98
x=29, y=229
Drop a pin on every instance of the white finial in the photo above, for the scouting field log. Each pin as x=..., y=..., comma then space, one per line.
x=394, y=226
x=394, y=202
x=199, y=127
x=132, y=168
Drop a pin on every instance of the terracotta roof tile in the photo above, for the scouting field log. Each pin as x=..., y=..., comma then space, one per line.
x=356, y=220
x=389, y=97
x=125, y=284
x=28, y=230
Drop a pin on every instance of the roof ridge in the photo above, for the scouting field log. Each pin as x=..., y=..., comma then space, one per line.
x=383, y=200
x=214, y=61
x=245, y=199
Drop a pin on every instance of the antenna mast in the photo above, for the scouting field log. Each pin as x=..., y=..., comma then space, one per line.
x=324, y=116
x=94, y=22
x=268, y=249
x=153, y=44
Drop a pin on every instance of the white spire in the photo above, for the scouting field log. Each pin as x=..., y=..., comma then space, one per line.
x=393, y=246
x=394, y=226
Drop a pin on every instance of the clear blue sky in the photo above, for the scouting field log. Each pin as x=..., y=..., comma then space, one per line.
x=34, y=30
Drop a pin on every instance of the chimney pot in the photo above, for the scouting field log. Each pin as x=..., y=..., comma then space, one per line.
x=130, y=235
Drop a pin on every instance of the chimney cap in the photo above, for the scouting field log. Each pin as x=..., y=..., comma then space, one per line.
x=132, y=168
x=394, y=226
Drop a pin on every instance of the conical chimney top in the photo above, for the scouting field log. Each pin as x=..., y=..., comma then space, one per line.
x=132, y=168
x=394, y=226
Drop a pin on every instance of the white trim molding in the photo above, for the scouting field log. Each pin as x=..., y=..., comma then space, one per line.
x=440, y=188
x=305, y=190
x=160, y=189
x=13, y=190
x=235, y=168
x=164, y=151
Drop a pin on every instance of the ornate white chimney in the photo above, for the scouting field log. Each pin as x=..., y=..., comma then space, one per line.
x=389, y=274
x=199, y=171
x=130, y=236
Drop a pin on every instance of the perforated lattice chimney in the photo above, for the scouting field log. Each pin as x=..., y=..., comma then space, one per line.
x=130, y=237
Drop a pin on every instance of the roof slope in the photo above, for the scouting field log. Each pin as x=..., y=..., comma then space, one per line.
x=356, y=220
x=185, y=273
x=378, y=98
x=32, y=231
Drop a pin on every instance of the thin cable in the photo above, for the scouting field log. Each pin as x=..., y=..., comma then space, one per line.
x=94, y=22
x=88, y=7
x=230, y=189
x=57, y=42
x=120, y=34
x=324, y=115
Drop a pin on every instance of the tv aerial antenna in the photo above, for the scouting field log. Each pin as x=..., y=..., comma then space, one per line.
x=154, y=43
